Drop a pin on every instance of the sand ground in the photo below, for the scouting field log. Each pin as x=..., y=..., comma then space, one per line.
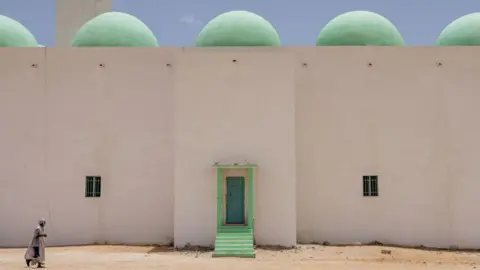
x=304, y=257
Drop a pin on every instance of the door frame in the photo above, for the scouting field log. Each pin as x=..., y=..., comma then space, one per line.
x=242, y=188
x=223, y=170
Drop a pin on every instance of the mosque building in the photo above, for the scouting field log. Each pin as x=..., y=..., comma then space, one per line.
x=239, y=141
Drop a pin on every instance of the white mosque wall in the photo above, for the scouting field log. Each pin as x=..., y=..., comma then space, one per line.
x=111, y=115
x=23, y=189
x=408, y=119
x=71, y=117
x=315, y=120
x=234, y=104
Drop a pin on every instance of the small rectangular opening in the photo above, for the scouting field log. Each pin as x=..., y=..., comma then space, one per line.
x=93, y=186
x=370, y=185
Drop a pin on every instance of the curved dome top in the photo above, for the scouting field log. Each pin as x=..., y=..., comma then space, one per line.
x=359, y=28
x=464, y=31
x=114, y=29
x=14, y=34
x=238, y=28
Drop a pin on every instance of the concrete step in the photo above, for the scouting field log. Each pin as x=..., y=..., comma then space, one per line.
x=236, y=242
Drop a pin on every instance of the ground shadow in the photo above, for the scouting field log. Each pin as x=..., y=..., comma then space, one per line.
x=161, y=249
x=274, y=248
x=452, y=249
x=195, y=249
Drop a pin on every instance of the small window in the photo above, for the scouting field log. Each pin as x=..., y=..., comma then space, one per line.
x=93, y=186
x=370, y=186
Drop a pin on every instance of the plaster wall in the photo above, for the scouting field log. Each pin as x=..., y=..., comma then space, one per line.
x=406, y=118
x=234, y=110
x=86, y=112
x=71, y=15
x=22, y=145
x=315, y=120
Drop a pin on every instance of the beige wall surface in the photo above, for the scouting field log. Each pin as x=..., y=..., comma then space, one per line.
x=314, y=119
x=234, y=110
x=71, y=15
x=407, y=119
x=69, y=118
x=22, y=145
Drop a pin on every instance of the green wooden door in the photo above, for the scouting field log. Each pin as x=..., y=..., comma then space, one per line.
x=235, y=200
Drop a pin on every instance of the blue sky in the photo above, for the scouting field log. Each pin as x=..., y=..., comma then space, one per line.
x=177, y=22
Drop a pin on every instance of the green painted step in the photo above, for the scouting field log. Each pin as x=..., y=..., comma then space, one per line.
x=234, y=241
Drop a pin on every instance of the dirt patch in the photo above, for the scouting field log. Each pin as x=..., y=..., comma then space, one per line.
x=305, y=257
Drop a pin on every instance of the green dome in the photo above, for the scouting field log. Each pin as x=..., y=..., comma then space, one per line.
x=14, y=34
x=359, y=28
x=464, y=31
x=238, y=28
x=114, y=29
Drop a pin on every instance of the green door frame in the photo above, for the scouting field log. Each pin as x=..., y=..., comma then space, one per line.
x=220, y=168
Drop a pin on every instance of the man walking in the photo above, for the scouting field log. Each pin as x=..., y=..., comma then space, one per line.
x=36, y=250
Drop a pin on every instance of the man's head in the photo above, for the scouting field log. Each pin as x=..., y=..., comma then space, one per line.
x=42, y=222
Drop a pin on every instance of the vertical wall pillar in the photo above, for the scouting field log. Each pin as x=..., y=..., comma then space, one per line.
x=70, y=15
x=219, y=198
x=250, y=198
